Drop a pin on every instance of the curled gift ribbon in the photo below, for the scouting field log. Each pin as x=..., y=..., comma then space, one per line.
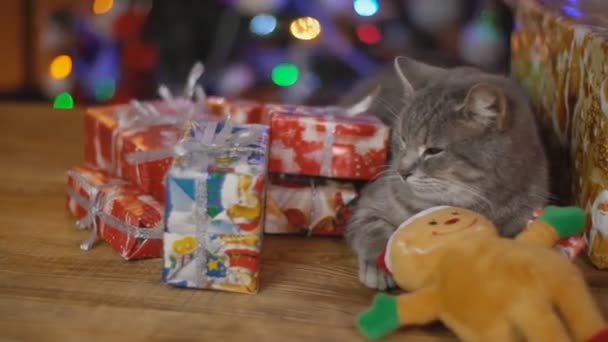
x=95, y=205
x=140, y=116
x=194, y=93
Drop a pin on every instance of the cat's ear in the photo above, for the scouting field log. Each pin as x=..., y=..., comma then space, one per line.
x=402, y=66
x=413, y=74
x=365, y=103
x=487, y=105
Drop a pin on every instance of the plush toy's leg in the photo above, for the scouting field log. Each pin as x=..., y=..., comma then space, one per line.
x=418, y=308
x=539, y=322
x=388, y=313
x=567, y=221
x=555, y=223
x=576, y=304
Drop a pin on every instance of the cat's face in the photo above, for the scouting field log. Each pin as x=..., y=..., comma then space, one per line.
x=447, y=139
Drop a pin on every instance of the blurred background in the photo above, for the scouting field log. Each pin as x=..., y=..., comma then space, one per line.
x=82, y=52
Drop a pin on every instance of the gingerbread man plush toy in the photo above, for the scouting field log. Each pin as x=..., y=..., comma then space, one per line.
x=483, y=287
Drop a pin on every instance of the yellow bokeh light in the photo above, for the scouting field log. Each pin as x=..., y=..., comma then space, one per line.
x=102, y=6
x=61, y=67
x=305, y=28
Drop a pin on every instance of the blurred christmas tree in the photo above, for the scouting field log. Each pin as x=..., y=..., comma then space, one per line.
x=96, y=54
x=314, y=50
x=292, y=51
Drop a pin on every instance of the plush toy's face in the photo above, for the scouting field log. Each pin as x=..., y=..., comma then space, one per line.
x=418, y=244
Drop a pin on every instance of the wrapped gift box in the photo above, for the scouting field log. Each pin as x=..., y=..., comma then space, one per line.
x=134, y=141
x=215, y=208
x=239, y=111
x=116, y=211
x=311, y=141
x=145, y=156
x=559, y=55
x=305, y=205
x=103, y=126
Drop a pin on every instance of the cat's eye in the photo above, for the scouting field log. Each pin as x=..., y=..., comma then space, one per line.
x=432, y=223
x=432, y=151
x=455, y=213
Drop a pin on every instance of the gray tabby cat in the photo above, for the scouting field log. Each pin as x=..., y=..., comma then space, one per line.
x=460, y=137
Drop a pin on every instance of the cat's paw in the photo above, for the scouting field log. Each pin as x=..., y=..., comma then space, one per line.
x=373, y=277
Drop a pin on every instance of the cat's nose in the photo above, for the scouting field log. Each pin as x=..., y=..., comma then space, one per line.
x=406, y=172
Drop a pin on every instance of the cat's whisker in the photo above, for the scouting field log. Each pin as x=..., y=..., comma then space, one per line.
x=387, y=104
x=394, y=177
x=392, y=111
x=474, y=192
x=384, y=172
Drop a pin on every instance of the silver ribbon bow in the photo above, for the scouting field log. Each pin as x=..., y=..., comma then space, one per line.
x=196, y=97
x=94, y=207
x=138, y=116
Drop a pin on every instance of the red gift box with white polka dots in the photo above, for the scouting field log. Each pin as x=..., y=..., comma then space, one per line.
x=313, y=141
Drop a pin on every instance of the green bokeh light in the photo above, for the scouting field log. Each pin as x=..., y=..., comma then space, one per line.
x=104, y=90
x=285, y=75
x=63, y=101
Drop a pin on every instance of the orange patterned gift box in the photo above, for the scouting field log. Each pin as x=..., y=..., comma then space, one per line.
x=113, y=134
x=560, y=57
x=153, y=146
x=115, y=211
x=103, y=125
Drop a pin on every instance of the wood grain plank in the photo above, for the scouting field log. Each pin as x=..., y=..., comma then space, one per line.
x=51, y=290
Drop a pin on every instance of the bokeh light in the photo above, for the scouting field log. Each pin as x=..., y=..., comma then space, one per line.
x=366, y=8
x=369, y=34
x=285, y=75
x=263, y=24
x=63, y=101
x=102, y=6
x=305, y=28
x=61, y=67
x=105, y=89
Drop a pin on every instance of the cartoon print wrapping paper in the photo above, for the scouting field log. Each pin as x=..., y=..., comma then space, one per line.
x=560, y=57
x=215, y=209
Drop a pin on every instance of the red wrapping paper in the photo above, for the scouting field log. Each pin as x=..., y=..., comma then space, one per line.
x=102, y=133
x=99, y=125
x=240, y=111
x=107, y=146
x=149, y=175
x=123, y=215
x=96, y=178
x=306, y=141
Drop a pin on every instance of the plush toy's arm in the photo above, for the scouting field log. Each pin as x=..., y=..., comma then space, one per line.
x=388, y=313
x=554, y=223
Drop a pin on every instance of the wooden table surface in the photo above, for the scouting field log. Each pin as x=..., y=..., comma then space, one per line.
x=51, y=290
